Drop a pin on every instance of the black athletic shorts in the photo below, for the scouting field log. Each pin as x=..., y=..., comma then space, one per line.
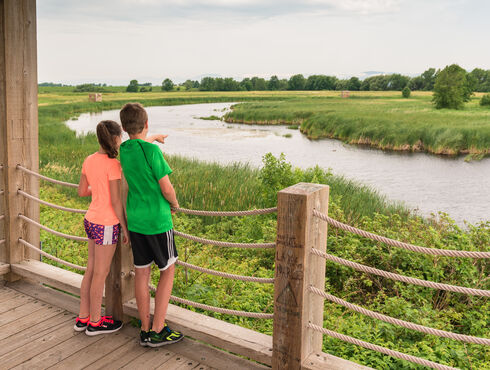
x=158, y=248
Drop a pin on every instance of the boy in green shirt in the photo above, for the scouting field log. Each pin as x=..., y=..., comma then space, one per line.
x=150, y=199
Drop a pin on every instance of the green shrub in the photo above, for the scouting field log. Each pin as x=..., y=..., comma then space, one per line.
x=406, y=92
x=485, y=100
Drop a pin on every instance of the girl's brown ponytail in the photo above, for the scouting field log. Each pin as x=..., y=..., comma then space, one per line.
x=107, y=131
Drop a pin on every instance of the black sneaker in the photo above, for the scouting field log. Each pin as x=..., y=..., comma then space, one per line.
x=105, y=325
x=80, y=324
x=166, y=336
x=144, y=338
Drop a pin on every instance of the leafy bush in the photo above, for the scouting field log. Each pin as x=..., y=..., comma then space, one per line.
x=406, y=92
x=452, y=88
x=485, y=100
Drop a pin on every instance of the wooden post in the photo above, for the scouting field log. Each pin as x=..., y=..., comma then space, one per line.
x=119, y=285
x=296, y=268
x=18, y=124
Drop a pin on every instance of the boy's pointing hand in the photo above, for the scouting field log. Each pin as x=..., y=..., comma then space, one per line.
x=160, y=138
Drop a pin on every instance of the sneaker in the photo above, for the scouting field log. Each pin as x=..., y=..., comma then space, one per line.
x=144, y=338
x=105, y=325
x=166, y=336
x=80, y=324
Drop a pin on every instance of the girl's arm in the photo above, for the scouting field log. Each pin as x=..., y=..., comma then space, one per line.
x=83, y=187
x=160, y=138
x=115, y=189
x=168, y=192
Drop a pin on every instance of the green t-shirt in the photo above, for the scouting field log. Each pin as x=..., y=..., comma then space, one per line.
x=147, y=209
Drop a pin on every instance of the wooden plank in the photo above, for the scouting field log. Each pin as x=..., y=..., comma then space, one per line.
x=29, y=336
x=233, y=338
x=14, y=302
x=21, y=311
x=93, y=352
x=4, y=267
x=19, y=123
x=59, y=352
x=8, y=294
x=48, y=295
x=54, y=276
x=24, y=317
x=321, y=361
x=150, y=359
x=298, y=231
x=49, y=339
x=177, y=362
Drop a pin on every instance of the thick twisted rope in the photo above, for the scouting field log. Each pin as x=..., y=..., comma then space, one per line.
x=396, y=243
x=74, y=210
x=377, y=348
x=54, y=232
x=2, y=241
x=226, y=213
x=256, y=315
x=54, y=181
x=405, y=279
x=2, y=217
x=224, y=244
x=2, y=192
x=225, y=274
x=405, y=324
x=51, y=257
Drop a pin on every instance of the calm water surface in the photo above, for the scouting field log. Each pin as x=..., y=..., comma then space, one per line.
x=423, y=182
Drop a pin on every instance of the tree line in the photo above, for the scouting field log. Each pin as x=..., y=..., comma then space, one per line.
x=478, y=80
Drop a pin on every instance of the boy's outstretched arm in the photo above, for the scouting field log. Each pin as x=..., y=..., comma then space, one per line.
x=159, y=137
x=83, y=187
x=168, y=191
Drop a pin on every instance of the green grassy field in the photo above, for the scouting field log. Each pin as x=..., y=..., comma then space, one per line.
x=210, y=186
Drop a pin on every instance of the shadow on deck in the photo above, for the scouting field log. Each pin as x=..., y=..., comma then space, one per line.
x=36, y=332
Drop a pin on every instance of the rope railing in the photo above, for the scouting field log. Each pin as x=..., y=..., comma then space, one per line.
x=251, y=212
x=405, y=324
x=398, y=277
x=255, y=315
x=54, y=181
x=74, y=210
x=51, y=257
x=380, y=349
x=54, y=232
x=224, y=244
x=225, y=274
x=396, y=243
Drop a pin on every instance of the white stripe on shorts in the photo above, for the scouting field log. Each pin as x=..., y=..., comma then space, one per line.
x=108, y=230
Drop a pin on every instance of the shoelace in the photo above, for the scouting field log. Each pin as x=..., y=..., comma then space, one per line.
x=108, y=319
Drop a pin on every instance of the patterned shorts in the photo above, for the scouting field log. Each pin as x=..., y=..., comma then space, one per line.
x=102, y=235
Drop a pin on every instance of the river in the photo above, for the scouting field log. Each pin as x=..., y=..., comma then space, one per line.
x=425, y=183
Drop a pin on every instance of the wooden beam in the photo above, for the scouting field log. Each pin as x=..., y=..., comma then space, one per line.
x=18, y=123
x=4, y=268
x=120, y=282
x=321, y=361
x=298, y=231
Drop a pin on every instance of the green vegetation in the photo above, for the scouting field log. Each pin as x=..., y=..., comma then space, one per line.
x=211, y=186
x=406, y=92
x=211, y=118
x=452, y=88
x=167, y=85
x=381, y=121
x=485, y=100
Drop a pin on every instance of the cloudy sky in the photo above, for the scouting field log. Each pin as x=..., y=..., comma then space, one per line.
x=115, y=41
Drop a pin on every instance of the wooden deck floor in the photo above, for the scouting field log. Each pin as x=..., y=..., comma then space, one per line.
x=39, y=335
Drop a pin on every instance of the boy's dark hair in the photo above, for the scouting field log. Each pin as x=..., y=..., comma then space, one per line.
x=106, y=132
x=133, y=118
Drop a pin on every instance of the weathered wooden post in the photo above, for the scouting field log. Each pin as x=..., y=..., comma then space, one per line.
x=298, y=231
x=18, y=125
x=119, y=285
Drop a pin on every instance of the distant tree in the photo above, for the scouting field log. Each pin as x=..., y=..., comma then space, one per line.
x=188, y=84
x=296, y=82
x=429, y=79
x=416, y=83
x=219, y=84
x=485, y=100
x=283, y=84
x=341, y=85
x=167, y=85
x=207, y=84
x=365, y=84
x=397, y=81
x=229, y=84
x=258, y=84
x=133, y=86
x=273, y=83
x=406, y=92
x=480, y=80
x=354, y=84
x=451, y=88
x=246, y=84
